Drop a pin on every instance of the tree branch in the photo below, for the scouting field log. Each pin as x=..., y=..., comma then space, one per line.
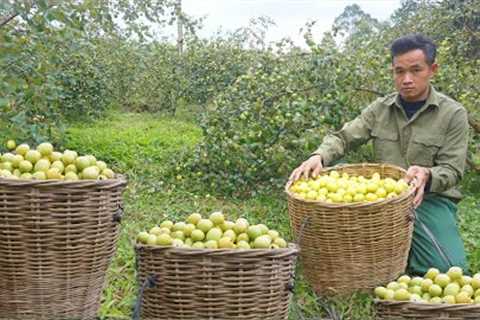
x=378, y=93
x=8, y=19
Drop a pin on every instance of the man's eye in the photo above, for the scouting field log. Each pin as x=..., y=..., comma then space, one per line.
x=399, y=71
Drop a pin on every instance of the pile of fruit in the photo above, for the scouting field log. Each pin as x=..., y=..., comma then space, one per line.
x=343, y=188
x=435, y=287
x=45, y=163
x=212, y=233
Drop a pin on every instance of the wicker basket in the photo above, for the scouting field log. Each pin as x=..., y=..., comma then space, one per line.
x=218, y=284
x=56, y=241
x=400, y=310
x=350, y=247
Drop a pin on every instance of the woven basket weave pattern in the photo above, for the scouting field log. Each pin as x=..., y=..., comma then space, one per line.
x=56, y=241
x=353, y=247
x=399, y=310
x=216, y=284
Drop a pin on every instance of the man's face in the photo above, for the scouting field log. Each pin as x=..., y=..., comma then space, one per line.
x=412, y=74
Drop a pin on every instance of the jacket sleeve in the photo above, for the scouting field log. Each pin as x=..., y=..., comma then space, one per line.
x=354, y=133
x=449, y=165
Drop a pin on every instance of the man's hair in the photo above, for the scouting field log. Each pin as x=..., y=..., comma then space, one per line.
x=414, y=41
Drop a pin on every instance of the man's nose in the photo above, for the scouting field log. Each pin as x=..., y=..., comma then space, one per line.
x=407, y=78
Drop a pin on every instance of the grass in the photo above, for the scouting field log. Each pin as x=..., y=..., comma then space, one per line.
x=145, y=148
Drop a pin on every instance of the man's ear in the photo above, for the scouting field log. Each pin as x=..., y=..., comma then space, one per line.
x=434, y=68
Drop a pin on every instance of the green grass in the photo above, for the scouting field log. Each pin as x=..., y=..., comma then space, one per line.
x=145, y=147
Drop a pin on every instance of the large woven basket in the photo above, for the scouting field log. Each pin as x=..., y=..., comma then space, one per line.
x=350, y=247
x=196, y=284
x=56, y=241
x=405, y=310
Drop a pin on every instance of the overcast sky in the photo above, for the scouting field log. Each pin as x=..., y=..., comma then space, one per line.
x=289, y=15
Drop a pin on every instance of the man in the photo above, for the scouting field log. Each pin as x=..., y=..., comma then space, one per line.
x=426, y=133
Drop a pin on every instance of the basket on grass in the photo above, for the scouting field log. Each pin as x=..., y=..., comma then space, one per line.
x=56, y=241
x=349, y=247
x=194, y=284
x=406, y=310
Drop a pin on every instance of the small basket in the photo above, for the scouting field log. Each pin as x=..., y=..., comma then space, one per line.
x=351, y=247
x=194, y=284
x=57, y=239
x=406, y=310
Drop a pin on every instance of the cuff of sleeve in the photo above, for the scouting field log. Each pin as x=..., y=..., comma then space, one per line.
x=428, y=185
x=326, y=159
x=435, y=181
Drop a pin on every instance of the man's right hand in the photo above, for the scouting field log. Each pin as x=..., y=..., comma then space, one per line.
x=311, y=166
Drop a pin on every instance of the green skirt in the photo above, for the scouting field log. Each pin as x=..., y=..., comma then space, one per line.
x=436, y=240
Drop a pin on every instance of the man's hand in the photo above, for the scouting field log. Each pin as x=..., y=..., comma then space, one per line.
x=312, y=164
x=419, y=176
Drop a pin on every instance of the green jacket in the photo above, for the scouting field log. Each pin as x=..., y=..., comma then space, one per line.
x=435, y=137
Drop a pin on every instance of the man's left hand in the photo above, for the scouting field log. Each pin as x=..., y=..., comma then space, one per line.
x=419, y=176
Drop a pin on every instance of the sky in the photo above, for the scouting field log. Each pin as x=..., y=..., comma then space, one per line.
x=289, y=15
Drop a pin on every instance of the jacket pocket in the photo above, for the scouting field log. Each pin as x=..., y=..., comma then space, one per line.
x=386, y=144
x=423, y=150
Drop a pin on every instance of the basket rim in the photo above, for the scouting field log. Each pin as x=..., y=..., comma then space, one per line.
x=401, y=198
x=290, y=249
x=427, y=306
x=118, y=180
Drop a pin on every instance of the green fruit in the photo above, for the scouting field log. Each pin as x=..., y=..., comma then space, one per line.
x=254, y=232
x=53, y=173
x=188, y=242
x=414, y=297
x=70, y=176
x=390, y=294
x=142, y=237
x=155, y=230
x=11, y=144
x=45, y=148
x=435, y=290
x=39, y=175
x=402, y=295
x=214, y=234
x=17, y=173
x=90, y=173
x=71, y=168
x=468, y=289
x=178, y=235
x=166, y=224
x=452, y=289
x=273, y=234
x=164, y=239
x=262, y=242
x=152, y=240
x=230, y=234
x=197, y=235
x=59, y=165
x=68, y=157
x=263, y=228
x=55, y=156
x=92, y=160
x=188, y=229
x=6, y=166
x=179, y=226
x=108, y=173
x=16, y=160
x=5, y=173
x=415, y=289
x=280, y=242
x=42, y=165
x=426, y=284
x=33, y=156
x=475, y=283
x=82, y=163
x=194, y=218
x=436, y=300
x=8, y=157
x=25, y=166
x=198, y=245
x=243, y=237
x=455, y=273
x=205, y=225
x=101, y=165
x=211, y=244
x=240, y=226
x=225, y=243
x=217, y=218
x=464, y=280
x=442, y=280
x=448, y=299
x=242, y=244
x=432, y=273
x=404, y=279
x=463, y=297
x=22, y=149
x=393, y=285
x=380, y=292
x=178, y=243
x=227, y=225
x=416, y=281
x=26, y=176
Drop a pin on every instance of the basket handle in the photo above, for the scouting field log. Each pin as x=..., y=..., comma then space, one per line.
x=118, y=215
x=150, y=282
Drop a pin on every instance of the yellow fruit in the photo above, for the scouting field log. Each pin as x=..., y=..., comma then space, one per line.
x=432, y=273
x=449, y=299
x=380, y=292
x=442, y=280
x=402, y=295
x=22, y=149
x=164, y=239
x=463, y=297
x=371, y=197
x=217, y=218
x=404, y=279
x=11, y=144
x=225, y=243
x=45, y=148
x=455, y=273
x=435, y=290
x=166, y=224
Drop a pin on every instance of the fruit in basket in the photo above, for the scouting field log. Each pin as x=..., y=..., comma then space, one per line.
x=44, y=162
x=435, y=287
x=343, y=188
x=214, y=233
